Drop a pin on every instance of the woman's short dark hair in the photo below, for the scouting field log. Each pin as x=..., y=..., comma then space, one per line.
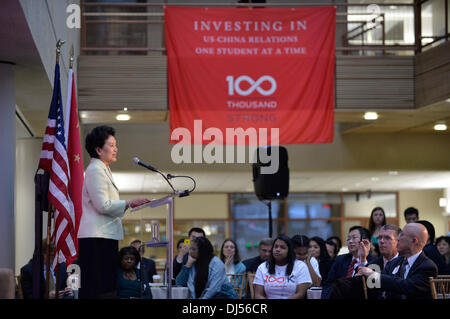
x=290, y=256
x=97, y=138
x=323, y=249
x=129, y=250
x=236, y=257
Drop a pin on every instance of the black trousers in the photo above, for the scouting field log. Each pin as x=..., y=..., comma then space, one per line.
x=98, y=259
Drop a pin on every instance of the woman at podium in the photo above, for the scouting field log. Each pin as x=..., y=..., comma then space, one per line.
x=101, y=223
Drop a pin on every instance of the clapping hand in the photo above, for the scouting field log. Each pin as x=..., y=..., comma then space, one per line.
x=363, y=250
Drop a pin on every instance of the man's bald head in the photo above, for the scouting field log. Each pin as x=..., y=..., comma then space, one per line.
x=413, y=238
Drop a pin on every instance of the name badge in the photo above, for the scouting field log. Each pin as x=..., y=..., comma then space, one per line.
x=396, y=270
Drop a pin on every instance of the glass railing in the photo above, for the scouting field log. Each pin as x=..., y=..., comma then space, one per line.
x=136, y=27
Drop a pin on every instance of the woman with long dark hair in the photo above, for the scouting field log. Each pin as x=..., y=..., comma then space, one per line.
x=282, y=276
x=377, y=220
x=204, y=274
x=318, y=249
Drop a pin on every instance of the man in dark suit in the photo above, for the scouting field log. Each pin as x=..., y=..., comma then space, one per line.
x=26, y=278
x=387, y=241
x=406, y=277
x=431, y=251
x=148, y=265
x=345, y=265
x=264, y=249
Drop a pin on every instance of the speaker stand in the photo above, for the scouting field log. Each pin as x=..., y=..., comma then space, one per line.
x=269, y=204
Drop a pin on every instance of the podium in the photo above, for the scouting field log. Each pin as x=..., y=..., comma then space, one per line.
x=167, y=200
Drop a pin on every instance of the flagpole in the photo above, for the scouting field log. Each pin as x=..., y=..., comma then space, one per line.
x=59, y=44
x=47, y=260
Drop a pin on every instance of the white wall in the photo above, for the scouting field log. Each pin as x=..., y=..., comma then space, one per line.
x=427, y=202
x=27, y=158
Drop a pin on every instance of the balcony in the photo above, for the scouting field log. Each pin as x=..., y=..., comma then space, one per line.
x=393, y=58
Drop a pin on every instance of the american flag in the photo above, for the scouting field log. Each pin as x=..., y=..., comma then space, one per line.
x=54, y=159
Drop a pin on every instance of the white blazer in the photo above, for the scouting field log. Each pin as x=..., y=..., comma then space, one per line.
x=102, y=208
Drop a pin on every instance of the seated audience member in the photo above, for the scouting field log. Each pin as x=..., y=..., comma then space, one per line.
x=443, y=246
x=376, y=221
x=345, y=265
x=338, y=243
x=411, y=215
x=204, y=274
x=148, y=265
x=387, y=240
x=282, y=276
x=229, y=254
x=264, y=249
x=131, y=283
x=180, y=245
x=406, y=277
x=318, y=251
x=26, y=277
x=183, y=253
x=431, y=251
x=332, y=249
x=301, y=246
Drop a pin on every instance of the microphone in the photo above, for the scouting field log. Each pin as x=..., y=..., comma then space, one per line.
x=138, y=162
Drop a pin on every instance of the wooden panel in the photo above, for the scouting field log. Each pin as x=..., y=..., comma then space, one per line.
x=432, y=58
x=375, y=82
x=433, y=75
x=140, y=82
x=115, y=82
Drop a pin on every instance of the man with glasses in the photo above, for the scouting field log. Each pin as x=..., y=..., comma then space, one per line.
x=387, y=241
x=406, y=277
x=345, y=266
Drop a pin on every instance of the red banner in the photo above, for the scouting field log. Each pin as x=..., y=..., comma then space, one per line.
x=241, y=71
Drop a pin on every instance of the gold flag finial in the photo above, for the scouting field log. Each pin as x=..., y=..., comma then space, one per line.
x=59, y=44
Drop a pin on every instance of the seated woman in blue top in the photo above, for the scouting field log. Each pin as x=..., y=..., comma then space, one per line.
x=204, y=274
x=229, y=254
x=130, y=278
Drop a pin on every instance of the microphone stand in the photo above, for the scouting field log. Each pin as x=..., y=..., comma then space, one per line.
x=169, y=200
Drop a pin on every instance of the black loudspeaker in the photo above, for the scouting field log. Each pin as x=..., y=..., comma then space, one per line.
x=271, y=186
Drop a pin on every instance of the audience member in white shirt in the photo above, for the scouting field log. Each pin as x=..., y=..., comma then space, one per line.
x=282, y=276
